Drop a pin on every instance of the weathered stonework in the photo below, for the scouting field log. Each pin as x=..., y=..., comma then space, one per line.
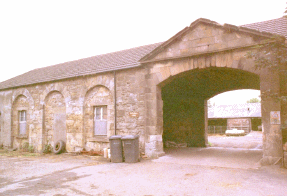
x=99, y=95
x=131, y=103
x=20, y=103
x=174, y=80
x=54, y=118
x=71, y=103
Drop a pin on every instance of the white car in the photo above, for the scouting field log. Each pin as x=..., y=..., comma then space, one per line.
x=234, y=132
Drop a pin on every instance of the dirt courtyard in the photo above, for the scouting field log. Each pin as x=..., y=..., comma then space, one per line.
x=182, y=171
x=253, y=140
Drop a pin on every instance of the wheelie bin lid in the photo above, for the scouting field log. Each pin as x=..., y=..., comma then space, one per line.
x=115, y=137
x=130, y=137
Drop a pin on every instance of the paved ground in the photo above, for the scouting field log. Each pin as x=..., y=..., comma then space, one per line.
x=182, y=171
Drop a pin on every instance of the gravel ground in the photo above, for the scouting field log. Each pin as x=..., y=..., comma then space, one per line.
x=253, y=140
x=182, y=171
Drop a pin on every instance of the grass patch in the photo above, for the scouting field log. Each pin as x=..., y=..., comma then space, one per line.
x=19, y=153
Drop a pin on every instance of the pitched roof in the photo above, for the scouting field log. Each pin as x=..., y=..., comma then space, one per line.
x=235, y=111
x=276, y=26
x=88, y=66
x=123, y=59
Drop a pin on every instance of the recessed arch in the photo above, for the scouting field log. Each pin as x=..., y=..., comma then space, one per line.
x=21, y=113
x=53, y=88
x=98, y=92
x=54, y=118
x=23, y=92
x=98, y=117
x=50, y=94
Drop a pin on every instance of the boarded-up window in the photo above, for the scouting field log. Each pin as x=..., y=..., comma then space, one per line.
x=100, y=119
x=22, y=122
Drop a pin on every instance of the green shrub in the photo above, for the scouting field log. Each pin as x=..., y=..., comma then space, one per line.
x=28, y=148
x=47, y=148
x=25, y=146
x=31, y=149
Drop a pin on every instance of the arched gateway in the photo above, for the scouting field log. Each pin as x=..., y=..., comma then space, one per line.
x=157, y=91
x=199, y=62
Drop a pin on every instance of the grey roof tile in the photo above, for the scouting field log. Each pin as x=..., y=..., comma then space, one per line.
x=88, y=66
x=275, y=26
x=235, y=111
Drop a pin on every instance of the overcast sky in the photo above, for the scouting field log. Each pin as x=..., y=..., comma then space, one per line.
x=38, y=33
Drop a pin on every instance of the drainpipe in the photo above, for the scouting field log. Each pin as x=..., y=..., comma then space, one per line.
x=11, y=128
x=115, y=101
x=43, y=127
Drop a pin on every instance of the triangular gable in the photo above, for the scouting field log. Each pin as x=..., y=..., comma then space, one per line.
x=205, y=36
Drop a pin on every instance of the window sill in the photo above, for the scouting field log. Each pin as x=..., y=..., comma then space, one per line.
x=22, y=137
x=103, y=138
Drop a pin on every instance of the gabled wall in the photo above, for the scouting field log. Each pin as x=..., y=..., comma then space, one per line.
x=203, y=38
x=205, y=45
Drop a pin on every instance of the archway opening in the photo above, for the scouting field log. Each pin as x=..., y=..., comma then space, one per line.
x=234, y=120
x=185, y=102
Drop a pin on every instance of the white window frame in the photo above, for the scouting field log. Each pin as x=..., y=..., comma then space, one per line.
x=102, y=121
x=22, y=122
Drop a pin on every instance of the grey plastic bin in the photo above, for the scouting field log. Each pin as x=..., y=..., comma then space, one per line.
x=116, y=149
x=131, y=148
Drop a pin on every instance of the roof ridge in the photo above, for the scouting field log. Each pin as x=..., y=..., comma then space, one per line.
x=99, y=55
x=124, y=50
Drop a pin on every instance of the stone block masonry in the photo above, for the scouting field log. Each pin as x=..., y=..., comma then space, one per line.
x=64, y=110
x=157, y=92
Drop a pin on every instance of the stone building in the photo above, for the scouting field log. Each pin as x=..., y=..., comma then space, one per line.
x=157, y=91
x=244, y=116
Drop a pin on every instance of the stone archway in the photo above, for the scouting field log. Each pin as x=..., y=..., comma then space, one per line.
x=54, y=119
x=265, y=81
x=207, y=44
x=184, y=108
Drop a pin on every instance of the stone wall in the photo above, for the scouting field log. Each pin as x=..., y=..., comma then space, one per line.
x=206, y=38
x=131, y=103
x=5, y=120
x=20, y=103
x=98, y=96
x=54, y=118
x=67, y=108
